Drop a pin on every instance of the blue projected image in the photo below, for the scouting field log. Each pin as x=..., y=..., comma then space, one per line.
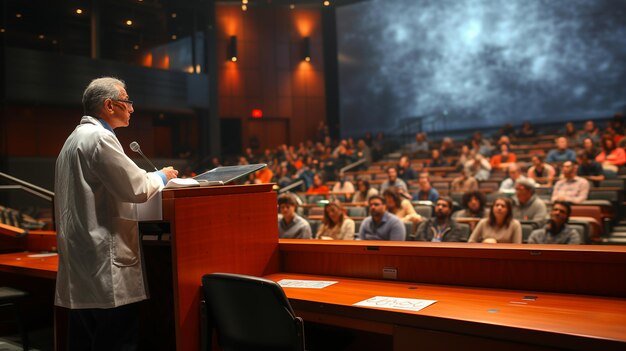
x=459, y=64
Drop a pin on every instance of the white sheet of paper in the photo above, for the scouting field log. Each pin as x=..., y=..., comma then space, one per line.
x=181, y=183
x=396, y=303
x=49, y=254
x=310, y=284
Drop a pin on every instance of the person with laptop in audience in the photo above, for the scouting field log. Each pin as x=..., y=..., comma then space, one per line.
x=527, y=206
x=426, y=191
x=290, y=224
x=473, y=203
x=393, y=180
x=571, y=188
x=589, y=168
x=562, y=153
x=336, y=225
x=500, y=226
x=381, y=225
x=440, y=228
x=363, y=191
x=556, y=230
x=541, y=172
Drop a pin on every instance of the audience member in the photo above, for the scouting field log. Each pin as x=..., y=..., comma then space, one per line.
x=436, y=160
x=420, y=146
x=473, y=206
x=264, y=175
x=570, y=133
x=562, y=153
x=393, y=180
x=527, y=130
x=478, y=167
x=401, y=207
x=527, y=206
x=541, y=172
x=318, y=186
x=344, y=186
x=464, y=156
x=363, y=191
x=481, y=145
x=589, y=131
x=504, y=158
x=426, y=191
x=463, y=183
x=440, y=228
x=381, y=225
x=499, y=227
x=589, y=146
x=404, y=169
x=571, y=188
x=556, y=231
x=447, y=147
x=589, y=168
x=364, y=152
x=290, y=224
x=611, y=157
x=335, y=225
x=515, y=174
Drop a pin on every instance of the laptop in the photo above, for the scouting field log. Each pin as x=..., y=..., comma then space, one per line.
x=226, y=174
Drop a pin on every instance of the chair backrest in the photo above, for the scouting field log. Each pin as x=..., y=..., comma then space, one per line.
x=315, y=225
x=465, y=230
x=425, y=211
x=250, y=313
x=357, y=211
x=527, y=228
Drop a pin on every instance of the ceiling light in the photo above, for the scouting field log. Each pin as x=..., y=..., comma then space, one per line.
x=129, y=22
x=244, y=2
x=18, y=15
x=136, y=47
x=244, y=7
x=326, y=3
x=173, y=14
x=174, y=36
x=41, y=36
x=79, y=11
x=54, y=42
x=2, y=30
x=292, y=6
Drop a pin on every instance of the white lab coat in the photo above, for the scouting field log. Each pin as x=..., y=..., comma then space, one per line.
x=96, y=189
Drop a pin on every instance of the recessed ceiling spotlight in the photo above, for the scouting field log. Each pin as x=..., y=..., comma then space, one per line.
x=79, y=11
x=174, y=37
x=292, y=6
x=2, y=30
x=174, y=15
x=54, y=42
x=129, y=22
x=244, y=1
x=244, y=7
x=326, y=3
x=18, y=15
x=41, y=36
x=136, y=47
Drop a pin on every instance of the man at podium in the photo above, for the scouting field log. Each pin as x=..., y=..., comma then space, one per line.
x=100, y=276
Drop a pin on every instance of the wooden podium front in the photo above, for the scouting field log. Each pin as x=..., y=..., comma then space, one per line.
x=213, y=229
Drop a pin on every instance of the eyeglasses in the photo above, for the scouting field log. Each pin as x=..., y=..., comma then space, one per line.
x=124, y=101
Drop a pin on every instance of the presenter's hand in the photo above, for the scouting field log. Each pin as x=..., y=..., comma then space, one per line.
x=170, y=172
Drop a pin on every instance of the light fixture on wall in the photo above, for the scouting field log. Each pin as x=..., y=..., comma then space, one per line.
x=232, y=48
x=306, y=49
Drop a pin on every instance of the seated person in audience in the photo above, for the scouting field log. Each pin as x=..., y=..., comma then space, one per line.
x=401, y=207
x=503, y=159
x=344, y=186
x=440, y=228
x=562, y=153
x=290, y=225
x=478, y=167
x=571, y=187
x=393, y=180
x=570, y=133
x=527, y=206
x=611, y=157
x=447, y=147
x=464, y=183
x=515, y=174
x=465, y=155
x=426, y=191
x=381, y=225
x=589, y=168
x=499, y=227
x=336, y=225
x=589, y=147
x=282, y=178
x=404, y=169
x=363, y=191
x=589, y=131
x=527, y=130
x=541, y=172
x=264, y=175
x=473, y=206
x=420, y=146
x=436, y=160
x=364, y=152
x=556, y=231
x=481, y=145
x=318, y=186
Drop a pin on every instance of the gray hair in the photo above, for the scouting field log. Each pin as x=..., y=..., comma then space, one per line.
x=99, y=90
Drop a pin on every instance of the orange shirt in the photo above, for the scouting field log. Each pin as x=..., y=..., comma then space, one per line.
x=322, y=189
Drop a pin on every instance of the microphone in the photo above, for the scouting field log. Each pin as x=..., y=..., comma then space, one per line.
x=135, y=147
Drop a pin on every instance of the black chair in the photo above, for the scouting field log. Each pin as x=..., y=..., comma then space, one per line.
x=14, y=299
x=249, y=313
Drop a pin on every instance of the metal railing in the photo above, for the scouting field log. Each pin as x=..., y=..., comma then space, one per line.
x=29, y=188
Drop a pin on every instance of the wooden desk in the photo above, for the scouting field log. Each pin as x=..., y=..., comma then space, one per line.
x=23, y=263
x=500, y=319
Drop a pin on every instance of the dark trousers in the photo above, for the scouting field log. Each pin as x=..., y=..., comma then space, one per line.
x=111, y=329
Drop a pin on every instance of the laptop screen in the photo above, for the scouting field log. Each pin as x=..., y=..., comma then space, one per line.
x=227, y=174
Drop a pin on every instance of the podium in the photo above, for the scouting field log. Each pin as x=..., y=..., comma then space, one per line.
x=213, y=229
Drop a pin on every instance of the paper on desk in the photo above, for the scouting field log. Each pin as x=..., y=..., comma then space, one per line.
x=396, y=303
x=310, y=284
x=47, y=254
x=181, y=183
